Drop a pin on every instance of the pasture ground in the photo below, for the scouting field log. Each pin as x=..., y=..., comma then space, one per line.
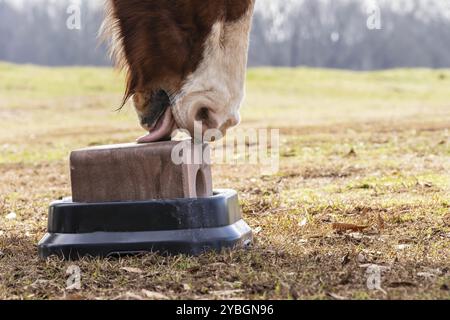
x=368, y=149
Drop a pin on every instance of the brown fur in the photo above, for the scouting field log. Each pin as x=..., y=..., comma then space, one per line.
x=160, y=42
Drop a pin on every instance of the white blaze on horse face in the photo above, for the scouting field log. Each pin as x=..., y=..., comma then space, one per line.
x=218, y=84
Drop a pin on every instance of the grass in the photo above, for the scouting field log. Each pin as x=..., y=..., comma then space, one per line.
x=369, y=149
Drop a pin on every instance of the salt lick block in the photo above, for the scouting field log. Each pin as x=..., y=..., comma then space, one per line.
x=140, y=172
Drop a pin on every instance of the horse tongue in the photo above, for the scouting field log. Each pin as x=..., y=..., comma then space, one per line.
x=162, y=130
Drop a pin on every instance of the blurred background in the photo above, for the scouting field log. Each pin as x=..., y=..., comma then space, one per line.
x=316, y=33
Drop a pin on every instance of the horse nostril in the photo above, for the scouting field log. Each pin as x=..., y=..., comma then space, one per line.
x=145, y=122
x=235, y=120
x=202, y=114
x=207, y=118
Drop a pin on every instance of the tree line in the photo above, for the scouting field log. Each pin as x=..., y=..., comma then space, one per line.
x=316, y=33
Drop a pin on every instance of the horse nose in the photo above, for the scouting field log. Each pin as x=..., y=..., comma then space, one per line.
x=210, y=119
x=232, y=121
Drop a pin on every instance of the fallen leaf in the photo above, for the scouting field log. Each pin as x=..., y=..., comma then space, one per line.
x=402, y=246
x=407, y=240
x=398, y=284
x=342, y=227
x=336, y=296
x=39, y=282
x=431, y=271
x=218, y=264
x=154, y=295
x=132, y=270
x=426, y=275
x=356, y=235
x=257, y=230
x=130, y=296
x=187, y=287
x=226, y=292
x=11, y=216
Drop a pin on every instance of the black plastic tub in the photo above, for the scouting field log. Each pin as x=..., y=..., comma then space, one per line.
x=179, y=226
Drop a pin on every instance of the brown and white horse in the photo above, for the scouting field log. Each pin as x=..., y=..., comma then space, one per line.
x=185, y=60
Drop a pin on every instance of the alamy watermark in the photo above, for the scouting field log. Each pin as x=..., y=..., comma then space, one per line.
x=373, y=11
x=74, y=280
x=259, y=147
x=374, y=277
x=73, y=21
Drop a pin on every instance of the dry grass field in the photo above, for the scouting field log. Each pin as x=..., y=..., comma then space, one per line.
x=365, y=149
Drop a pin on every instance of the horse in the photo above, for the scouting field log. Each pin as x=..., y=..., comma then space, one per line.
x=185, y=61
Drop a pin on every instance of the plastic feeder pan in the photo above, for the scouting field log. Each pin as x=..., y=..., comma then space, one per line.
x=178, y=226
